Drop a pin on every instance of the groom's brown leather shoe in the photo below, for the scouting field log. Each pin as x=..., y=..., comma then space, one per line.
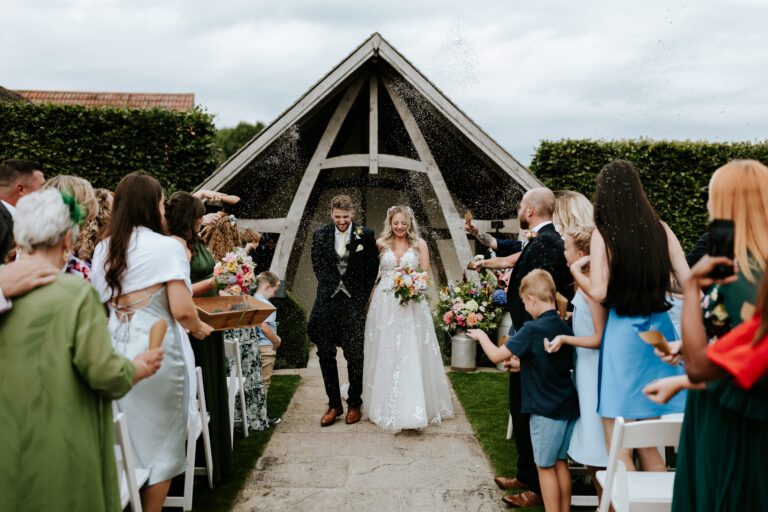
x=353, y=415
x=329, y=418
x=524, y=499
x=509, y=483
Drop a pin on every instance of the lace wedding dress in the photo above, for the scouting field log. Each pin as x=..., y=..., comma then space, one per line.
x=404, y=383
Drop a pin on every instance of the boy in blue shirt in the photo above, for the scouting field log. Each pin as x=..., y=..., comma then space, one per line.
x=548, y=394
x=267, y=284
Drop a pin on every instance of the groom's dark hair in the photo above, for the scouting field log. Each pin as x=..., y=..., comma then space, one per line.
x=342, y=202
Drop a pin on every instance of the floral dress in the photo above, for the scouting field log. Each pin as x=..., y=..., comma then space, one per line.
x=250, y=359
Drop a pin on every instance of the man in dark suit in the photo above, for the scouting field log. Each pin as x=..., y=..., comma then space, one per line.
x=345, y=261
x=544, y=250
x=17, y=178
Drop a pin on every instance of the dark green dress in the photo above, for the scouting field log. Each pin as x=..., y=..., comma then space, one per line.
x=209, y=355
x=722, y=461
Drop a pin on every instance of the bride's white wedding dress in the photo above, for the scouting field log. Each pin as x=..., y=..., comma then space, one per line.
x=404, y=383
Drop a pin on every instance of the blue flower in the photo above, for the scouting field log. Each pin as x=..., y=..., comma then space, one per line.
x=500, y=297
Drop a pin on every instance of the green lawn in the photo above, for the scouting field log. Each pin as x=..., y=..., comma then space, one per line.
x=485, y=398
x=246, y=452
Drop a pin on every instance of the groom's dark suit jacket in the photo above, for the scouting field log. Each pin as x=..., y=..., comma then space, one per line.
x=6, y=232
x=545, y=251
x=362, y=265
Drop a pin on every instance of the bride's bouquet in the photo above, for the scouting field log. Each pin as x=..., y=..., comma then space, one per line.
x=234, y=273
x=409, y=285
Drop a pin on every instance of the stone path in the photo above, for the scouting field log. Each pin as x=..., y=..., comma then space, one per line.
x=360, y=467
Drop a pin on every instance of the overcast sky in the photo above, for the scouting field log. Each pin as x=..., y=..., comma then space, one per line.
x=524, y=71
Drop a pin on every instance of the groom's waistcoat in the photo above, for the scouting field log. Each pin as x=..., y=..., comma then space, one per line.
x=341, y=264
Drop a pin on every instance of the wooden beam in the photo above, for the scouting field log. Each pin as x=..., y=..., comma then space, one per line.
x=452, y=217
x=264, y=225
x=373, y=125
x=299, y=203
x=363, y=160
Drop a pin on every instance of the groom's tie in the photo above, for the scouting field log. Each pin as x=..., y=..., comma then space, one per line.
x=342, y=247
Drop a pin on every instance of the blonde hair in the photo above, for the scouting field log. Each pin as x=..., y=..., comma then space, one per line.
x=221, y=237
x=539, y=284
x=85, y=196
x=411, y=235
x=267, y=277
x=738, y=191
x=581, y=237
x=572, y=210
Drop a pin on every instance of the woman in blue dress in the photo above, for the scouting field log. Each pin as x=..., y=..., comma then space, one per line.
x=635, y=259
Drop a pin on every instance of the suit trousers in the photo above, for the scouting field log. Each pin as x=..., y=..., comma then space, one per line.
x=526, y=467
x=344, y=327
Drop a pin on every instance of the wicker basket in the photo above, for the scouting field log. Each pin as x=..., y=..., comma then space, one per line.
x=254, y=314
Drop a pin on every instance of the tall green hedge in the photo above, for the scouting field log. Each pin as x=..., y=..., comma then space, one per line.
x=292, y=329
x=103, y=144
x=672, y=172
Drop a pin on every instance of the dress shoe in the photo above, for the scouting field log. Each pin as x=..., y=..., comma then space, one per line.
x=353, y=415
x=330, y=416
x=524, y=499
x=509, y=483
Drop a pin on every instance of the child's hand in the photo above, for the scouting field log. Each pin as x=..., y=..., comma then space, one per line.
x=675, y=353
x=661, y=391
x=554, y=345
x=512, y=364
x=477, y=334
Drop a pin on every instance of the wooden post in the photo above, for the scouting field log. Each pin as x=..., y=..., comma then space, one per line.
x=452, y=217
x=299, y=203
x=373, y=125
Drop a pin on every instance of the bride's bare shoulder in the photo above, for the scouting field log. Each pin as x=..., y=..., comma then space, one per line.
x=381, y=244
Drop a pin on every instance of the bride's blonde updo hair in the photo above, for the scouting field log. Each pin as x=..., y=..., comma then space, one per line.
x=411, y=235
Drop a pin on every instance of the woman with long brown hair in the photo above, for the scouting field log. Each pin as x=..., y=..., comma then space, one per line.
x=184, y=216
x=143, y=277
x=634, y=257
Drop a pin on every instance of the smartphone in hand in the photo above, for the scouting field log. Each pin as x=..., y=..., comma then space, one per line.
x=721, y=244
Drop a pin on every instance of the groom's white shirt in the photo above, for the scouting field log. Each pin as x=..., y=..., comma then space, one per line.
x=338, y=235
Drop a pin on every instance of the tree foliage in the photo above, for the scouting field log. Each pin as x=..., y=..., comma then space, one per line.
x=673, y=172
x=229, y=140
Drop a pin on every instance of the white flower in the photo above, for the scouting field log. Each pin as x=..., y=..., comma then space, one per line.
x=407, y=281
x=471, y=305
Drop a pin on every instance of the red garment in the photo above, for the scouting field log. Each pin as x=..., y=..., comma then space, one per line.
x=734, y=352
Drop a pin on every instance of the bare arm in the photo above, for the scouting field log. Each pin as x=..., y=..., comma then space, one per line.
x=495, y=354
x=423, y=256
x=599, y=317
x=483, y=238
x=498, y=263
x=184, y=311
x=677, y=257
x=595, y=285
x=200, y=288
x=661, y=391
x=270, y=334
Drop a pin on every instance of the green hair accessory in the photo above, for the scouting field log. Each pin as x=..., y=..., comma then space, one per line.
x=75, y=210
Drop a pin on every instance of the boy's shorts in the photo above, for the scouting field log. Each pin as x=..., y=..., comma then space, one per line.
x=550, y=439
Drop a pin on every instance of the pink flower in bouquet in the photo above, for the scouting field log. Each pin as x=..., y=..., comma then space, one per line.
x=448, y=318
x=460, y=321
x=229, y=257
x=217, y=270
x=471, y=319
x=457, y=307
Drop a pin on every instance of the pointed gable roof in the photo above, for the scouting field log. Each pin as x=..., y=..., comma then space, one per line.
x=333, y=82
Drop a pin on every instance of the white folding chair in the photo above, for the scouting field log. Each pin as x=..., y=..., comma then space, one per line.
x=196, y=426
x=129, y=476
x=638, y=490
x=235, y=386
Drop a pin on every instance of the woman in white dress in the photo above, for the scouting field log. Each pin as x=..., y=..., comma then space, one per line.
x=404, y=383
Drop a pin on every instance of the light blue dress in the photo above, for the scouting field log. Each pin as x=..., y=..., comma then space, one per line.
x=627, y=364
x=588, y=439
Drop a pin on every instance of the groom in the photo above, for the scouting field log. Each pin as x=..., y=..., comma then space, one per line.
x=345, y=261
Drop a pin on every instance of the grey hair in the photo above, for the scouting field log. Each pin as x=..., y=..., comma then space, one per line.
x=42, y=220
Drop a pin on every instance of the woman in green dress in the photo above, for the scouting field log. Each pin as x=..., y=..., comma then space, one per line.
x=184, y=215
x=721, y=461
x=58, y=375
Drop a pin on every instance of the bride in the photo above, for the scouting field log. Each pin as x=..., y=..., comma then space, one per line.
x=404, y=383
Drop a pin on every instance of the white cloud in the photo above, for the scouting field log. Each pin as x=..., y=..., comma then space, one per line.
x=523, y=71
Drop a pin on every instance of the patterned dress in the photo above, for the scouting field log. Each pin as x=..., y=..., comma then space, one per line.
x=250, y=359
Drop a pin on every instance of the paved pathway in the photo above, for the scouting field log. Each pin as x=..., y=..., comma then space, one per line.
x=361, y=467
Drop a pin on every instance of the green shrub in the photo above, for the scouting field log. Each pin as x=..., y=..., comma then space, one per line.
x=672, y=172
x=294, y=342
x=104, y=144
